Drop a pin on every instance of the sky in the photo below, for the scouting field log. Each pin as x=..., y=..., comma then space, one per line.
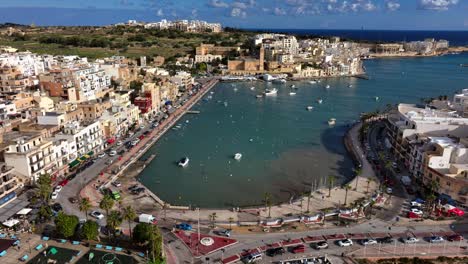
x=266, y=14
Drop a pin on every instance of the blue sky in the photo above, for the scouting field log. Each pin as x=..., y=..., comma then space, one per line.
x=300, y=14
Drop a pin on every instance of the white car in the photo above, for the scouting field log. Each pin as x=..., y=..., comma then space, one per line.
x=436, y=239
x=410, y=240
x=142, y=127
x=112, y=153
x=345, y=243
x=119, y=143
x=389, y=190
x=101, y=155
x=369, y=241
x=97, y=215
x=416, y=211
x=58, y=188
x=54, y=195
x=414, y=203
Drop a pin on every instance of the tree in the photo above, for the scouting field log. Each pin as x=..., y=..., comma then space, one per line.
x=267, y=200
x=66, y=224
x=45, y=212
x=230, y=219
x=358, y=173
x=90, y=230
x=84, y=206
x=331, y=182
x=309, y=195
x=114, y=219
x=141, y=233
x=347, y=187
x=44, y=183
x=106, y=203
x=129, y=215
x=213, y=217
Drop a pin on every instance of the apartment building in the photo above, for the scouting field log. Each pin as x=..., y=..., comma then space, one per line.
x=29, y=153
x=88, y=138
x=9, y=183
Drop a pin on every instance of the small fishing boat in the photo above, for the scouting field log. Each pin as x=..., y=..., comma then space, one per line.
x=313, y=82
x=332, y=121
x=350, y=85
x=235, y=89
x=293, y=86
x=259, y=96
x=252, y=88
x=237, y=156
x=272, y=92
x=183, y=162
x=377, y=98
x=225, y=103
x=309, y=108
x=319, y=100
x=328, y=86
x=292, y=93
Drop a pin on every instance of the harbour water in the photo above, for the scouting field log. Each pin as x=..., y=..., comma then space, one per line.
x=284, y=147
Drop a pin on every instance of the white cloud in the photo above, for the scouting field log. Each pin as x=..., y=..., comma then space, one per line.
x=237, y=12
x=279, y=11
x=436, y=4
x=194, y=13
x=160, y=13
x=239, y=5
x=392, y=5
x=218, y=4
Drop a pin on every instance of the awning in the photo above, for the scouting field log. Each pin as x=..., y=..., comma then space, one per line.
x=91, y=153
x=24, y=211
x=82, y=158
x=73, y=163
x=11, y=223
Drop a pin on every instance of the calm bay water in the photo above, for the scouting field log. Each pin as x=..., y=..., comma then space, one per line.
x=285, y=147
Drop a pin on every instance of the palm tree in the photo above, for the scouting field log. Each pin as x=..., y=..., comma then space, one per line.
x=129, y=214
x=85, y=205
x=308, y=194
x=213, y=217
x=358, y=173
x=44, y=184
x=106, y=203
x=267, y=200
x=371, y=205
x=331, y=182
x=347, y=187
x=164, y=207
x=230, y=219
x=114, y=219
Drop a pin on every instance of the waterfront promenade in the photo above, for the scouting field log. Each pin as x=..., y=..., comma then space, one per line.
x=123, y=162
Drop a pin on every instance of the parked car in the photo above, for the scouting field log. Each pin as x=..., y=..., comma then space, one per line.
x=109, y=162
x=416, y=211
x=73, y=200
x=321, y=245
x=224, y=232
x=389, y=190
x=455, y=237
x=54, y=195
x=119, y=143
x=116, y=183
x=298, y=249
x=436, y=239
x=112, y=153
x=272, y=252
x=57, y=207
x=410, y=240
x=63, y=183
x=386, y=240
x=416, y=203
x=138, y=190
x=368, y=241
x=58, y=188
x=184, y=226
x=253, y=258
x=412, y=215
x=101, y=155
x=131, y=188
x=345, y=242
x=97, y=215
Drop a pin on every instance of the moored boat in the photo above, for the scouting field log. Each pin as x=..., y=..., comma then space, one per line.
x=272, y=92
x=309, y=108
x=332, y=121
x=237, y=156
x=184, y=162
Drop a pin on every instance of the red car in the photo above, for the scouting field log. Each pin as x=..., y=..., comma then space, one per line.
x=412, y=215
x=141, y=137
x=455, y=237
x=63, y=183
x=298, y=249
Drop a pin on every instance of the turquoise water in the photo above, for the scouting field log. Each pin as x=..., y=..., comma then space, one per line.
x=285, y=148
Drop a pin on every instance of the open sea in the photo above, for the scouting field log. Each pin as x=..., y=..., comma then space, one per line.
x=285, y=147
x=456, y=38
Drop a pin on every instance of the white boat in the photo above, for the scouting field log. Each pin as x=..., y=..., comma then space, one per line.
x=377, y=98
x=268, y=77
x=293, y=86
x=319, y=100
x=350, y=85
x=313, y=82
x=272, y=92
x=235, y=89
x=225, y=103
x=259, y=95
x=184, y=162
x=309, y=107
x=237, y=156
x=332, y=121
x=279, y=81
x=292, y=93
x=252, y=88
x=328, y=86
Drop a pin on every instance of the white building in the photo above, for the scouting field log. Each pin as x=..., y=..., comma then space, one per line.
x=88, y=138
